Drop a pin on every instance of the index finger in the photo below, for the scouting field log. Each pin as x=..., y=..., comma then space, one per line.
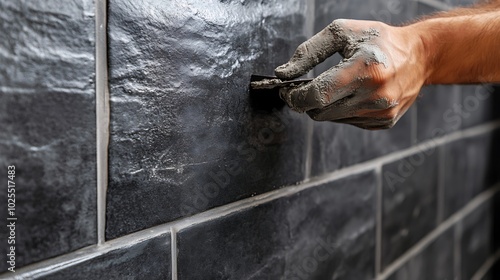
x=314, y=51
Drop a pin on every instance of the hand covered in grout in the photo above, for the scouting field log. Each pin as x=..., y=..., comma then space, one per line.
x=378, y=79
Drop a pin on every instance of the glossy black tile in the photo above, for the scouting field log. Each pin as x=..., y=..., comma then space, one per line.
x=326, y=232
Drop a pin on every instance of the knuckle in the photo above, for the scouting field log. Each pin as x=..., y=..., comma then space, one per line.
x=337, y=24
x=379, y=74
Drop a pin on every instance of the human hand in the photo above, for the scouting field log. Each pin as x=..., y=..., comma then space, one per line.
x=380, y=76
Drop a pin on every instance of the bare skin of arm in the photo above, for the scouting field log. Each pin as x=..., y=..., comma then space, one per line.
x=384, y=67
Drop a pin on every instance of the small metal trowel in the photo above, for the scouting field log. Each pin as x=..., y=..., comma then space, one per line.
x=264, y=91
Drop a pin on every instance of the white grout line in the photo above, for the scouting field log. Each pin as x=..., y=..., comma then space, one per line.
x=436, y=4
x=378, y=234
x=481, y=272
x=221, y=211
x=445, y=225
x=102, y=116
x=173, y=247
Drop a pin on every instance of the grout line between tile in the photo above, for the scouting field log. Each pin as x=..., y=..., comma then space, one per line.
x=436, y=4
x=309, y=30
x=414, y=124
x=457, y=256
x=445, y=225
x=309, y=144
x=441, y=184
x=173, y=254
x=481, y=272
x=221, y=211
x=378, y=234
x=102, y=116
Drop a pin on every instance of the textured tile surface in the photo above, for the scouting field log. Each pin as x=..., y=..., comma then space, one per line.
x=479, y=104
x=433, y=262
x=467, y=171
x=439, y=111
x=327, y=232
x=48, y=125
x=409, y=203
x=476, y=239
x=340, y=145
x=185, y=134
x=149, y=259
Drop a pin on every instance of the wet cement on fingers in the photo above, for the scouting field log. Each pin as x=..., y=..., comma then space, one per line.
x=314, y=51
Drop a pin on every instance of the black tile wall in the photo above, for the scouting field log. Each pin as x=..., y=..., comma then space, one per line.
x=433, y=262
x=409, y=203
x=185, y=136
x=149, y=259
x=476, y=241
x=467, y=170
x=478, y=104
x=48, y=126
x=339, y=145
x=327, y=232
x=438, y=111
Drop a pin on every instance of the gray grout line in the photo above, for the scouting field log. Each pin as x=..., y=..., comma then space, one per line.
x=441, y=184
x=173, y=234
x=414, y=125
x=457, y=256
x=250, y=202
x=309, y=28
x=102, y=116
x=481, y=272
x=436, y=4
x=309, y=144
x=378, y=225
x=445, y=225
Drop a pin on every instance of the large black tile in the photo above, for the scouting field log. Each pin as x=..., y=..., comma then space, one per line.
x=327, y=232
x=47, y=45
x=438, y=111
x=467, y=170
x=434, y=261
x=340, y=145
x=479, y=104
x=47, y=113
x=186, y=135
x=409, y=203
x=149, y=259
x=476, y=239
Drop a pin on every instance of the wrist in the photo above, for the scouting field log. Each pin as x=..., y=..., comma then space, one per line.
x=424, y=49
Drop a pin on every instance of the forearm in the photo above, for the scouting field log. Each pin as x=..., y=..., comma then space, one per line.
x=461, y=46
